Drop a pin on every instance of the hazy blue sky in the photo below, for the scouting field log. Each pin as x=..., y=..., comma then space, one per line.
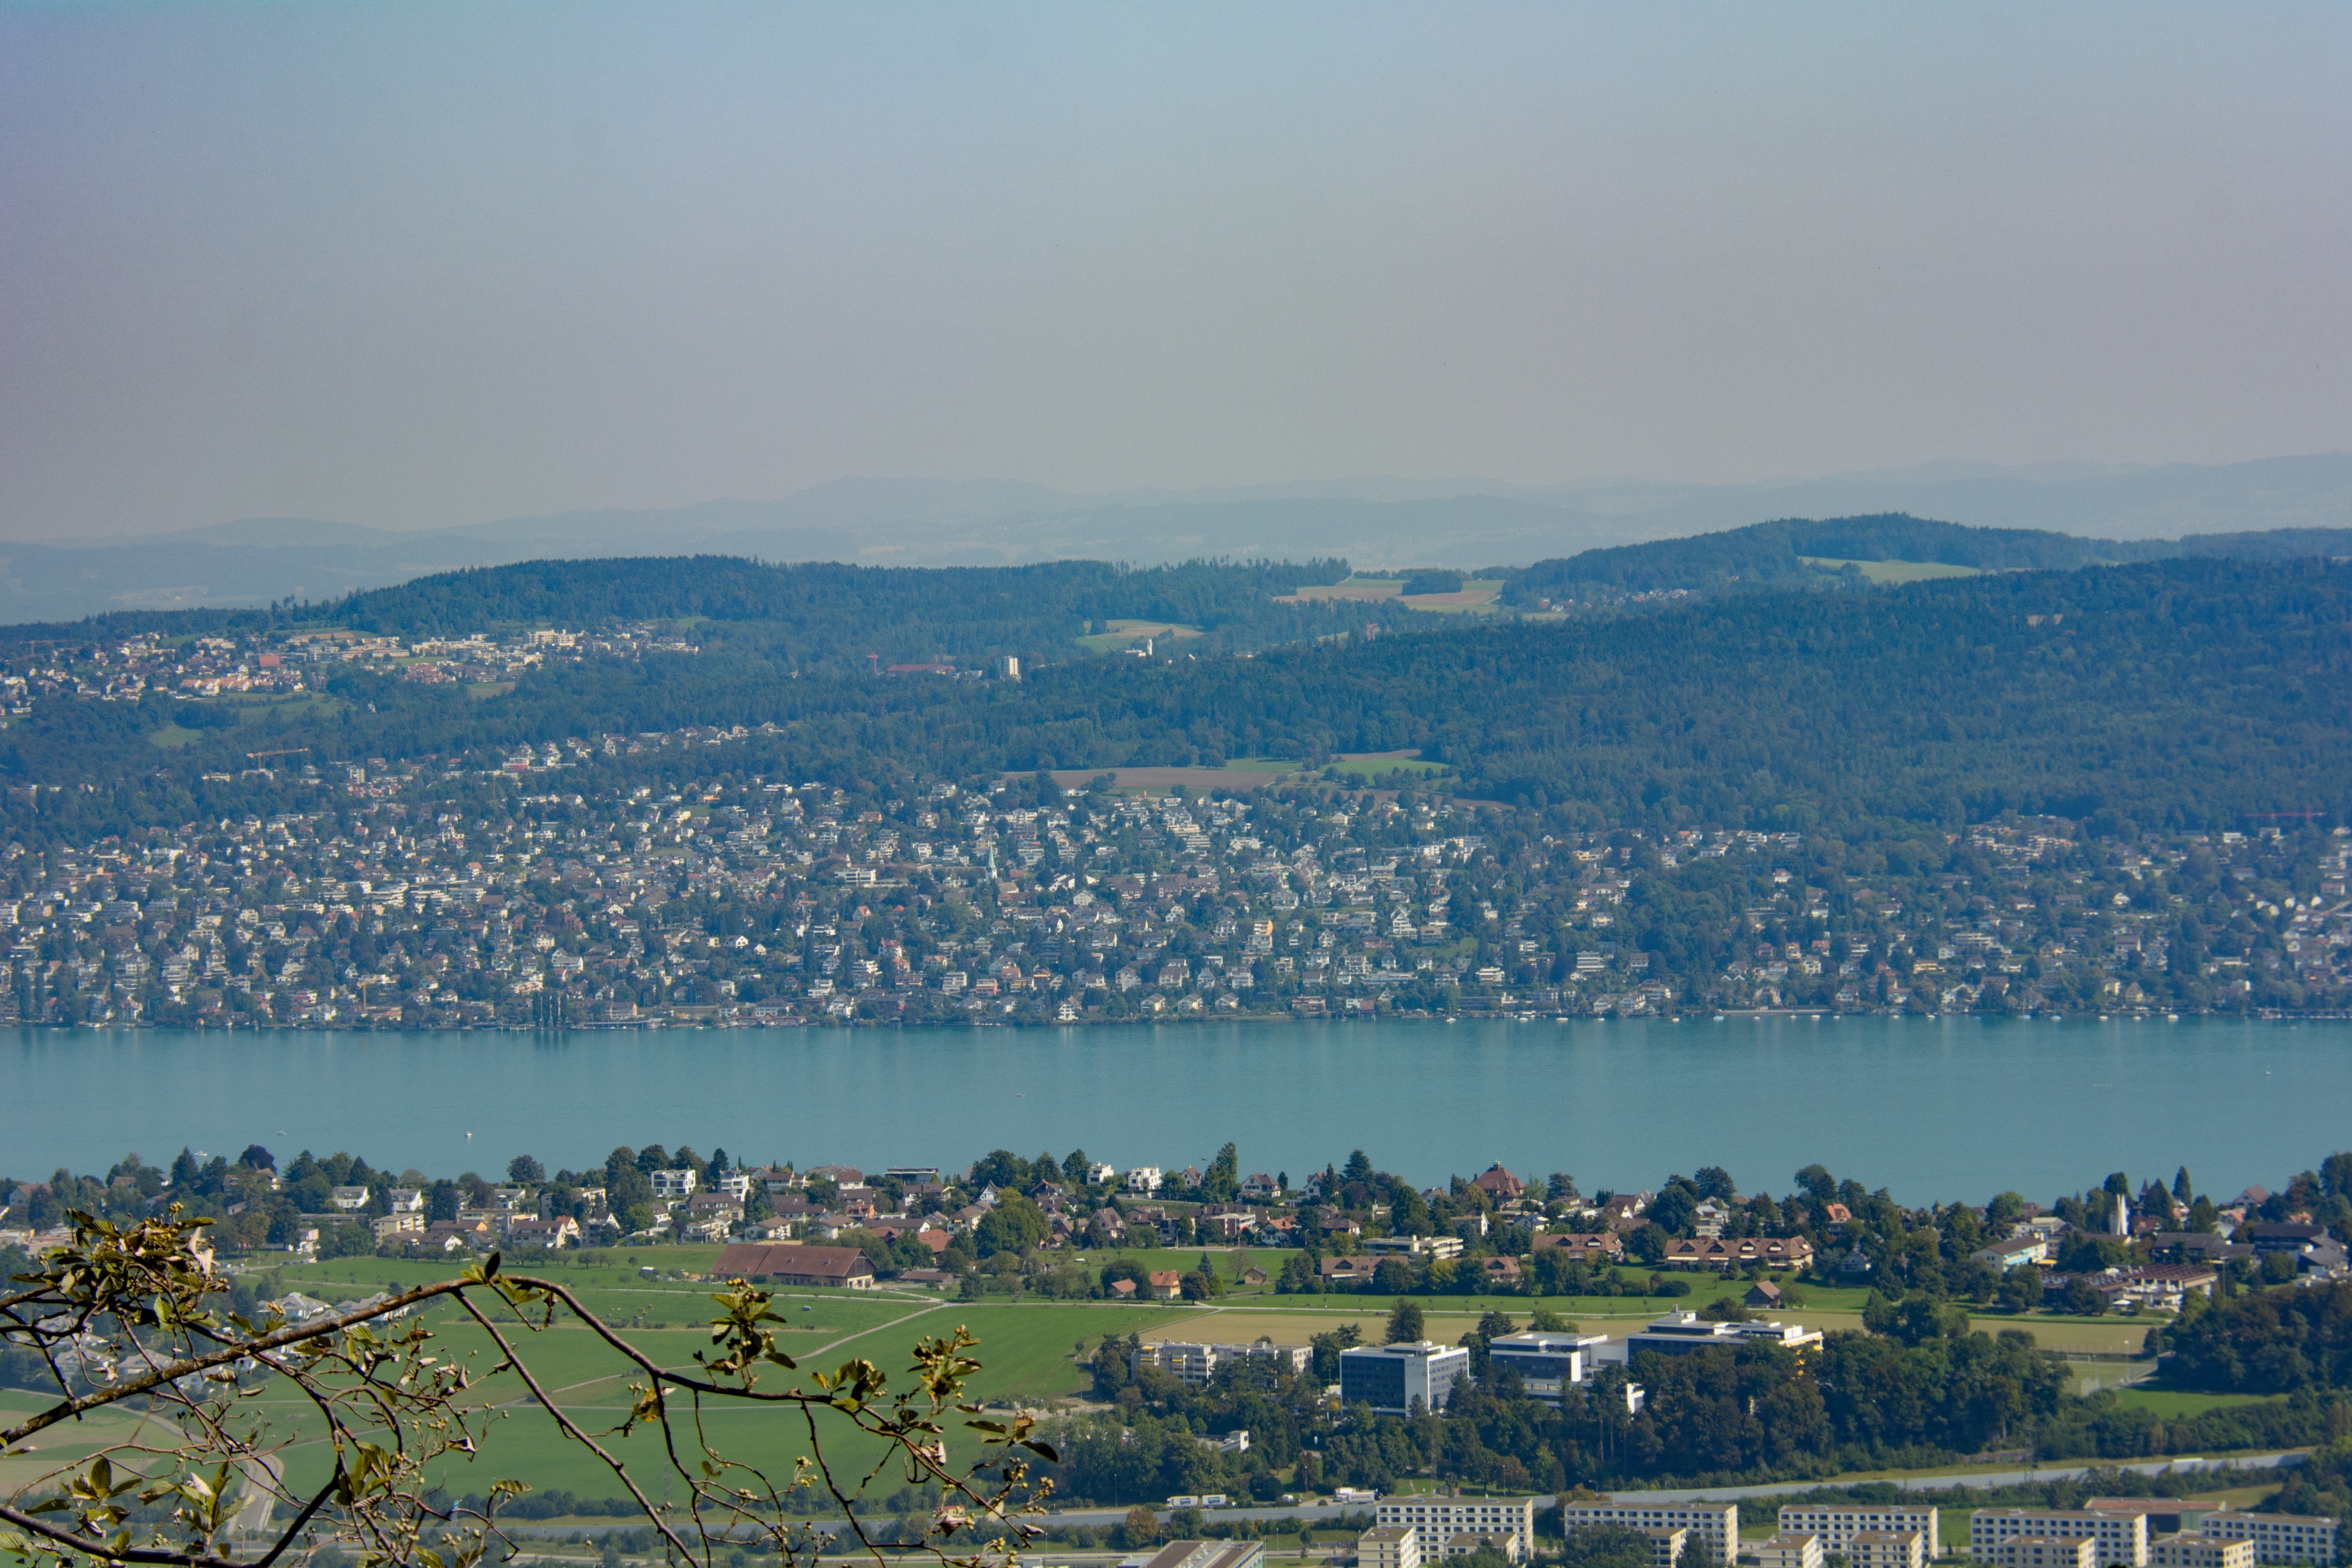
x=415, y=264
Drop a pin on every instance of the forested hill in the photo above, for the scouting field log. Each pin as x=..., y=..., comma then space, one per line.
x=827, y=605
x=1797, y=548
x=810, y=613
x=2168, y=694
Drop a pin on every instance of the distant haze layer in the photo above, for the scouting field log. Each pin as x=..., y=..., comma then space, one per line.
x=417, y=267
x=1372, y=523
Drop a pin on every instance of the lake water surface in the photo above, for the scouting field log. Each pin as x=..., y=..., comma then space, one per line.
x=1932, y=1109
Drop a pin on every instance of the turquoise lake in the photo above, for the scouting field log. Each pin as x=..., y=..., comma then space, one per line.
x=1931, y=1109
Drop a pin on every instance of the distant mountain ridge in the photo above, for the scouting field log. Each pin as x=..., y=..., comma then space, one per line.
x=1374, y=522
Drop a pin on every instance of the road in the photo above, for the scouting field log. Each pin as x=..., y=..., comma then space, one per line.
x=1986, y=1477
x=264, y=1476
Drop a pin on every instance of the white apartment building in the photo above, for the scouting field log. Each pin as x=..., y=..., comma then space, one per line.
x=2277, y=1537
x=1667, y=1547
x=2122, y=1538
x=1791, y=1551
x=1197, y=1363
x=1436, y=1521
x=1715, y=1526
x=2199, y=1551
x=1393, y=1547
x=1887, y=1549
x=1144, y=1178
x=1838, y=1524
x=2045, y=1552
x=673, y=1184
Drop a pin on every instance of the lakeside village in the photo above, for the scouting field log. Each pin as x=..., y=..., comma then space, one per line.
x=1066, y=1229
x=1735, y=1390
x=658, y=879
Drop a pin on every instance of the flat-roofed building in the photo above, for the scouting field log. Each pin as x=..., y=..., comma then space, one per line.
x=1436, y=1521
x=1208, y=1554
x=2199, y=1551
x=1198, y=1364
x=1681, y=1334
x=2277, y=1537
x=2043, y=1551
x=1393, y=1378
x=1790, y=1550
x=1887, y=1549
x=1388, y=1546
x=1667, y=1547
x=1838, y=1523
x=2121, y=1538
x=1548, y=1364
x=1714, y=1526
x=2165, y=1515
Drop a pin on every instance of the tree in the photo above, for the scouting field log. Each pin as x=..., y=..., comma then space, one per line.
x=2335, y=1174
x=2081, y=1299
x=1222, y=1183
x=1015, y=1224
x=1715, y=1182
x=1359, y=1168
x=1543, y=1320
x=524, y=1170
x=258, y=1159
x=392, y=1406
x=1816, y=1183
x=1406, y=1325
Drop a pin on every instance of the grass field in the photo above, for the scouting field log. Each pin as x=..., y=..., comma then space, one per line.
x=2170, y=1402
x=1369, y=764
x=1476, y=595
x=1030, y=1350
x=172, y=736
x=1118, y=634
x=1893, y=570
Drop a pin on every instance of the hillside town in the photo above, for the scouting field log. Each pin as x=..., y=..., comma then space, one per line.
x=635, y=880
x=262, y=663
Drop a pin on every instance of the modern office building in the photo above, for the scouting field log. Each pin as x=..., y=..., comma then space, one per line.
x=1680, y=1333
x=1548, y=1364
x=1393, y=1378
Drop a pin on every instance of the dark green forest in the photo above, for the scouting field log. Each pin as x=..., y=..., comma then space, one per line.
x=1776, y=554
x=2168, y=695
